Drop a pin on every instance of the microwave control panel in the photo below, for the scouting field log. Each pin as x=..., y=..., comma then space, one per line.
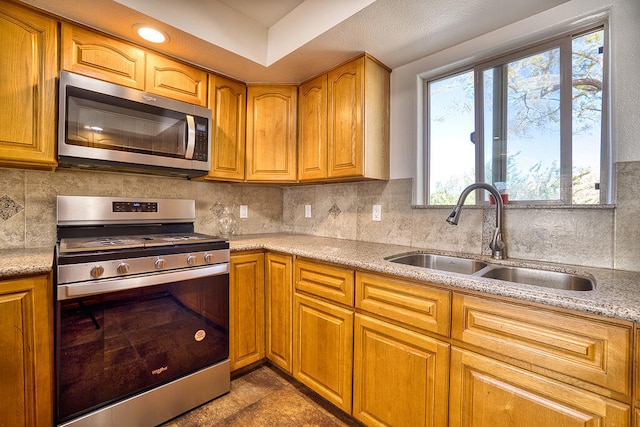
x=201, y=149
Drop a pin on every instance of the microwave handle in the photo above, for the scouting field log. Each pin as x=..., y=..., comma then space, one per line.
x=191, y=137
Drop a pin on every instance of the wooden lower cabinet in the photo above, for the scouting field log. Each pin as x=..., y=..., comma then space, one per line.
x=592, y=353
x=488, y=393
x=400, y=377
x=246, y=309
x=26, y=351
x=323, y=349
x=279, y=309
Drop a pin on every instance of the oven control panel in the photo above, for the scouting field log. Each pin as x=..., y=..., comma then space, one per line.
x=110, y=269
x=134, y=207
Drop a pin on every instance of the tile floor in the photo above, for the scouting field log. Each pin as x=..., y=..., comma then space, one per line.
x=265, y=397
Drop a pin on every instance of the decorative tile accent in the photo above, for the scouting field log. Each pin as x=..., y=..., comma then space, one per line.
x=8, y=207
x=334, y=211
x=217, y=209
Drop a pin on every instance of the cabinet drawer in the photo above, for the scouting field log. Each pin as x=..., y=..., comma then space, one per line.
x=413, y=304
x=589, y=350
x=324, y=280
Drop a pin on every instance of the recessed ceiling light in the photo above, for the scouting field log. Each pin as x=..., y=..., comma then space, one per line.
x=150, y=34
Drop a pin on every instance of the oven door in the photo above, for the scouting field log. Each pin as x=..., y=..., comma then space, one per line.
x=114, y=345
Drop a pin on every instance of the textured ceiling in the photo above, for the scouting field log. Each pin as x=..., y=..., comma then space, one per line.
x=305, y=37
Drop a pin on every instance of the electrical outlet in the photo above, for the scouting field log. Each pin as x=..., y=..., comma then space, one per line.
x=377, y=213
x=307, y=211
x=244, y=211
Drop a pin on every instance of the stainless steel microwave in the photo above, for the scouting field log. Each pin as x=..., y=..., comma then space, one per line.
x=107, y=126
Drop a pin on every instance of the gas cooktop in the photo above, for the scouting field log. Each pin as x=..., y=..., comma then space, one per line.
x=91, y=244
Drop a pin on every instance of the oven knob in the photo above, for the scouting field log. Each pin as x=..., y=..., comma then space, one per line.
x=123, y=268
x=208, y=258
x=191, y=260
x=160, y=264
x=97, y=271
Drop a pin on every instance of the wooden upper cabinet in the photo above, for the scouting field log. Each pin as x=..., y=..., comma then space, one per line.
x=172, y=79
x=228, y=102
x=271, y=133
x=312, y=130
x=358, y=120
x=28, y=71
x=101, y=57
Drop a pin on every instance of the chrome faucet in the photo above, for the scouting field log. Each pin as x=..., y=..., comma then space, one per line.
x=497, y=245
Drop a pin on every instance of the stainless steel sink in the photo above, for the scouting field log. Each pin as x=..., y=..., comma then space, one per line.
x=439, y=262
x=548, y=279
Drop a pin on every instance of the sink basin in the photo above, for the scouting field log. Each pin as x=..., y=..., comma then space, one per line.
x=548, y=279
x=439, y=262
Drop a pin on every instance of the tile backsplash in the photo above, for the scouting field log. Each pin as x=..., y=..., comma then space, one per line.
x=595, y=236
x=36, y=191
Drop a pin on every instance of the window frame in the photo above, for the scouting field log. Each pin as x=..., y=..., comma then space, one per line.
x=563, y=41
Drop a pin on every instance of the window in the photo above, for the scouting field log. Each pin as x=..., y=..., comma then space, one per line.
x=530, y=123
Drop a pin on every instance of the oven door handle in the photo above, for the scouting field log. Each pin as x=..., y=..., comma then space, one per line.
x=77, y=290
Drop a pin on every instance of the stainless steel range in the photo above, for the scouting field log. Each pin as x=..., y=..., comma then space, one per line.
x=142, y=311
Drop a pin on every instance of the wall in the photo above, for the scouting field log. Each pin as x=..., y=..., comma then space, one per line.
x=594, y=236
x=28, y=201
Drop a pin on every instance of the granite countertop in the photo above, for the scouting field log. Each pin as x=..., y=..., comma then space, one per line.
x=616, y=294
x=25, y=262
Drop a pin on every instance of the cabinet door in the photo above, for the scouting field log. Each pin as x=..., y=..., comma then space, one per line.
x=246, y=309
x=488, y=393
x=345, y=93
x=172, y=79
x=94, y=55
x=26, y=353
x=271, y=133
x=228, y=101
x=400, y=378
x=358, y=120
x=28, y=70
x=312, y=130
x=323, y=349
x=279, y=309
